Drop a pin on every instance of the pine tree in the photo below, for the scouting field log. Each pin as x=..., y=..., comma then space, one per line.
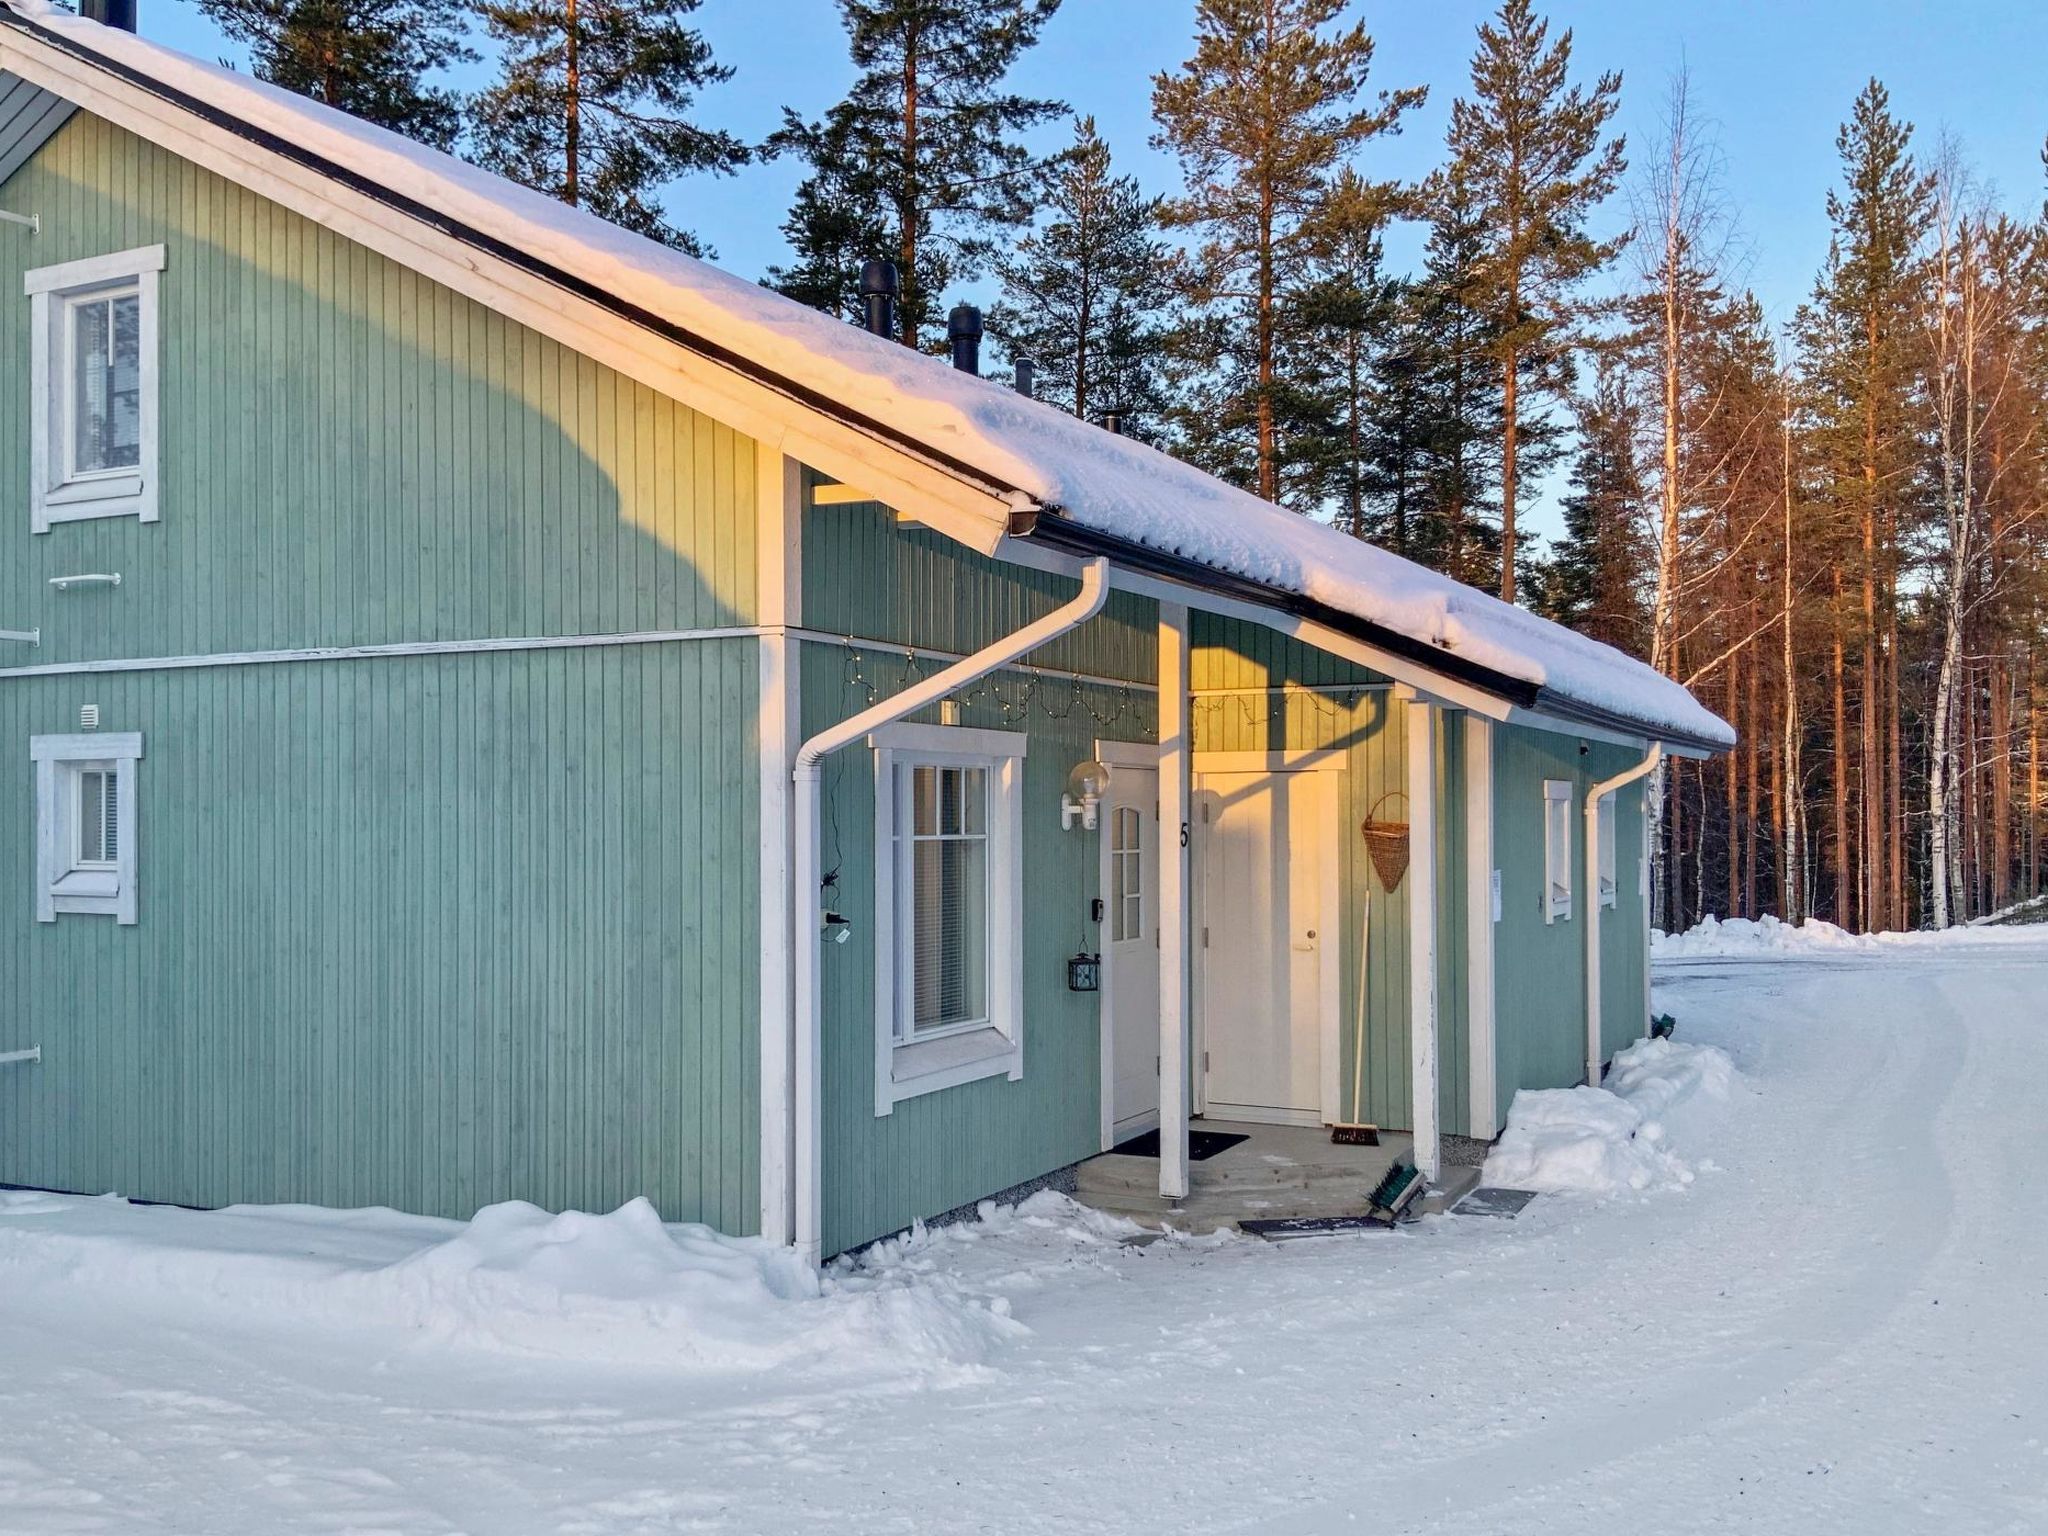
x=1528, y=146
x=1858, y=334
x=1348, y=313
x=921, y=162
x=1086, y=294
x=1458, y=402
x=591, y=102
x=1261, y=119
x=369, y=58
x=1595, y=577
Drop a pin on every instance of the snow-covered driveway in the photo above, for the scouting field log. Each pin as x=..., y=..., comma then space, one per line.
x=1841, y=1325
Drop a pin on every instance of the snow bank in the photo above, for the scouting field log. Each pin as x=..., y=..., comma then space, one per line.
x=1604, y=1141
x=1767, y=937
x=1113, y=484
x=623, y=1288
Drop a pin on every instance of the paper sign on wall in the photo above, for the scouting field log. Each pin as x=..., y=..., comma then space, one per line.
x=1496, y=895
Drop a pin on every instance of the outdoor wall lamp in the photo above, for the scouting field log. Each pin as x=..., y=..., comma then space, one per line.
x=1086, y=786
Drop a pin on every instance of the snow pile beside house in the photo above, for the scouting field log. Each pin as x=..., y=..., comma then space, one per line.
x=1031, y=451
x=623, y=1288
x=1609, y=1140
x=1767, y=937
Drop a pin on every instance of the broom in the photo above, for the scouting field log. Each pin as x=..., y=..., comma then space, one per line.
x=1359, y=1133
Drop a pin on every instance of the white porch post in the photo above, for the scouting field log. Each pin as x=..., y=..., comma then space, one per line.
x=1479, y=1001
x=1176, y=794
x=778, y=491
x=1422, y=1053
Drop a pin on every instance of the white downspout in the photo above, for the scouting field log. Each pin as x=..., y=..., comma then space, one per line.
x=1594, y=796
x=805, y=876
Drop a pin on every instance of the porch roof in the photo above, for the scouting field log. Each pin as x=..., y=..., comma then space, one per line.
x=1037, y=472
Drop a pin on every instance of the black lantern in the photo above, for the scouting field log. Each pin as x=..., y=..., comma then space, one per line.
x=1084, y=973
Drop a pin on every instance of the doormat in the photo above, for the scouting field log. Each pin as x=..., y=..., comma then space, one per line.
x=1505, y=1203
x=1286, y=1228
x=1202, y=1145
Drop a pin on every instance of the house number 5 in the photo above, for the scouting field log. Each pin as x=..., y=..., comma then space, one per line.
x=1183, y=834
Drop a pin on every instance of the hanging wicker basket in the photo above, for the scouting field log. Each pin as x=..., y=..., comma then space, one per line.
x=1387, y=842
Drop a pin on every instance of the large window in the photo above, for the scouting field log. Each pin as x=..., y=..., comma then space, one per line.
x=948, y=895
x=85, y=824
x=1557, y=850
x=93, y=390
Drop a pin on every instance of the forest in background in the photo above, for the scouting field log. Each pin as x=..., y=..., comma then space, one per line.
x=1830, y=531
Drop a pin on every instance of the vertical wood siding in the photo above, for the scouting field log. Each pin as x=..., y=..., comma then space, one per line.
x=351, y=453
x=1540, y=968
x=428, y=931
x=866, y=576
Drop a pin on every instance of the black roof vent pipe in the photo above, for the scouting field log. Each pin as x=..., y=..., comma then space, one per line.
x=963, y=334
x=1113, y=421
x=109, y=13
x=877, y=295
x=1027, y=378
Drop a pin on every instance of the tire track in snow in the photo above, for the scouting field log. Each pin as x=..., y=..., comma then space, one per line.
x=1814, y=1330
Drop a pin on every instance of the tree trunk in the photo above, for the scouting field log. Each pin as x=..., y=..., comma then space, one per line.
x=1844, y=889
x=909, y=201
x=572, y=105
x=1508, y=490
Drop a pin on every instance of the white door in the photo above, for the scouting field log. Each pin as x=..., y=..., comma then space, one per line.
x=1261, y=844
x=1130, y=938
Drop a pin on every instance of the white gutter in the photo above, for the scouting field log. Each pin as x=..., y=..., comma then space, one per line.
x=1594, y=796
x=10, y=1058
x=805, y=875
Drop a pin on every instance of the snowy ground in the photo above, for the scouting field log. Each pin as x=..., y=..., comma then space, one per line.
x=1839, y=1324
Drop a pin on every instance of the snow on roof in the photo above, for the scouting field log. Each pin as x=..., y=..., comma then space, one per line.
x=1100, y=481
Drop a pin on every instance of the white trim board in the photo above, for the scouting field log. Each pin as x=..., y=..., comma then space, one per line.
x=372, y=652
x=778, y=491
x=1482, y=1093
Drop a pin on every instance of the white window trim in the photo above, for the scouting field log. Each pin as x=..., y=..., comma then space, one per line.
x=61, y=887
x=55, y=496
x=904, y=1069
x=1609, y=878
x=1557, y=908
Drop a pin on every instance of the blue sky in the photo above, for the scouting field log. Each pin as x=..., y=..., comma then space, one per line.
x=1774, y=79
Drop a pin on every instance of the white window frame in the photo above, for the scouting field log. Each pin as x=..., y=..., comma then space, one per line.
x=65, y=883
x=1557, y=850
x=56, y=495
x=1609, y=880
x=907, y=1067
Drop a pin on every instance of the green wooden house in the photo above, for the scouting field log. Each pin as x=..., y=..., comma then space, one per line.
x=504, y=710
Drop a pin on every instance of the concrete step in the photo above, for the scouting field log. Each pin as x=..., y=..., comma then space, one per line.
x=1114, y=1171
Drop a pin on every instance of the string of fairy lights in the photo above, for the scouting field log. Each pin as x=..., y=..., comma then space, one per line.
x=1015, y=692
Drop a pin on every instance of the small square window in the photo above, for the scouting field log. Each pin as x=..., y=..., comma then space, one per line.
x=85, y=824
x=1557, y=850
x=93, y=388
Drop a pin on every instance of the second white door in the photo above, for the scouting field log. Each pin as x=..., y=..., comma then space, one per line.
x=1261, y=846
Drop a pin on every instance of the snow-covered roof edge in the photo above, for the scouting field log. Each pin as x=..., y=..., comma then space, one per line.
x=1092, y=482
